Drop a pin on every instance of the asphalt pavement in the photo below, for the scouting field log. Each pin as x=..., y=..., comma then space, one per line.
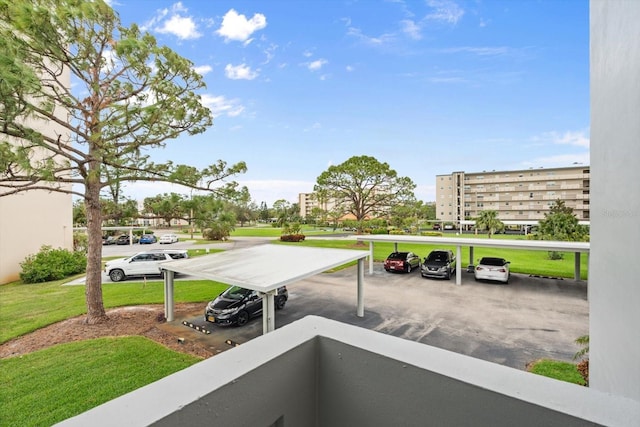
x=512, y=325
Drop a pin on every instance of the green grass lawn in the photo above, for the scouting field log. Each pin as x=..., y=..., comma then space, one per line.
x=558, y=370
x=25, y=308
x=51, y=385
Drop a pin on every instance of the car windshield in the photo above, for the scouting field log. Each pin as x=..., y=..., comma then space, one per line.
x=398, y=255
x=493, y=261
x=236, y=292
x=437, y=257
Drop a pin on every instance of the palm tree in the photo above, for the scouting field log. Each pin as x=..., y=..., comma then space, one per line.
x=488, y=220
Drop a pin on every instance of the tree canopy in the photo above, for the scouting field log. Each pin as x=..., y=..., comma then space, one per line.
x=129, y=96
x=364, y=187
x=560, y=223
x=488, y=221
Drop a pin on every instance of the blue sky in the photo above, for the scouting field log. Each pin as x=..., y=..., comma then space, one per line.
x=427, y=86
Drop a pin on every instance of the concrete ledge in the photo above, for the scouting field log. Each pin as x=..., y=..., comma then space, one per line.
x=288, y=374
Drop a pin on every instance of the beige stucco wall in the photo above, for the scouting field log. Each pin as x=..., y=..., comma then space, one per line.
x=35, y=218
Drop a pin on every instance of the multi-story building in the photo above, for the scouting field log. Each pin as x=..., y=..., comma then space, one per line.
x=34, y=218
x=517, y=195
x=308, y=201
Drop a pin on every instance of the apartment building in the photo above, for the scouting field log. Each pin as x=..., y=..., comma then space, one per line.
x=34, y=218
x=308, y=201
x=517, y=195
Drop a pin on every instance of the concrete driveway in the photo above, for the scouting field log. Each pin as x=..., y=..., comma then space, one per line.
x=512, y=325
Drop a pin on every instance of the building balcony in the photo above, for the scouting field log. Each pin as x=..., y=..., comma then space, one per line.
x=319, y=372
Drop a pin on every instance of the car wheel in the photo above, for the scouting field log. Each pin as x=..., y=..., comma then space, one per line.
x=243, y=318
x=408, y=268
x=280, y=302
x=449, y=275
x=116, y=275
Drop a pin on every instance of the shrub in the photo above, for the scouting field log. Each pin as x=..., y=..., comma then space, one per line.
x=431, y=233
x=379, y=231
x=52, y=264
x=80, y=242
x=292, y=237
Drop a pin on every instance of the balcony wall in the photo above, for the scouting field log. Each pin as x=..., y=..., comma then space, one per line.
x=319, y=372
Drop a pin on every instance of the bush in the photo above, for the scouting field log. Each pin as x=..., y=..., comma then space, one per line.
x=292, y=237
x=431, y=233
x=379, y=231
x=52, y=264
x=80, y=242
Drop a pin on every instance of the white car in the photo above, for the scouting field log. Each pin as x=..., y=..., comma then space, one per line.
x=490, y=268
x=168, y=238
x=141, y=264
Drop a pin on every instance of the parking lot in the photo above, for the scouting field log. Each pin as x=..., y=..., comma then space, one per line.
x=512, y=325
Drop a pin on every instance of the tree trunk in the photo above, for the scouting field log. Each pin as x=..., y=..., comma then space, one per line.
x=93, y=286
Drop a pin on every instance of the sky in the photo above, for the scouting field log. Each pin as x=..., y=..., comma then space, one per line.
x=427, y=86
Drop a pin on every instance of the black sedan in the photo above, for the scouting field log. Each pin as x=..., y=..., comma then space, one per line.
x=402, y=261
x=439, y=263
x=237, y=305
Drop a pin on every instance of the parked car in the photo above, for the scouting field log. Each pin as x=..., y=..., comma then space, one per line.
x=436, y=227
x=108, y=240
x=439, y=263
x=401, y=261
x=490, y=268
x=168, y=239
x=124, y=239
x=237, y=305
x=147, y=239
x=141, y=264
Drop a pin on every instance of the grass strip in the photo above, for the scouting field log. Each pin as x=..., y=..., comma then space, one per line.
x=51, y=385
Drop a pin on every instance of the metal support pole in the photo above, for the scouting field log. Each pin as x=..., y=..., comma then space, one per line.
x=458, y=266
x=471, y=255
x=268, y=312
x=395, y=246
x=360, y=309
x=576, y=273
x=371, y=257
x=168, y=295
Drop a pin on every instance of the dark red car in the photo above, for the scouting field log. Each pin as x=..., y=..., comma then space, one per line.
x=402, y=261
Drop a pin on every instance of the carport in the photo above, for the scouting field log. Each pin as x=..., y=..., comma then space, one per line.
x=539, y=245
x=263, y=268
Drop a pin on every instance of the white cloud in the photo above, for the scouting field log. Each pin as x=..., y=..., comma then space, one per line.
x=576, y=138
x=237, y=27
x=411, y=29
x=182, y=27
x=349, y=68
x=445, y=11
x=317, y=64
x=202, y=69
x=383, y=39
x=240, y=72
x=219, y=105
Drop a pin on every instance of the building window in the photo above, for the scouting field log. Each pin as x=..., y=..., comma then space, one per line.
x=531, y=195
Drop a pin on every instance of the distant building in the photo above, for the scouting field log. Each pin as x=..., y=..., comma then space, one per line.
x=517, y=195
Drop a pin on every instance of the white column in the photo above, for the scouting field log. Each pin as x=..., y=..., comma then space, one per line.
x=268, y=312
x=458, y=265
x=360, y=309
x=370, y=257
x=168, y=295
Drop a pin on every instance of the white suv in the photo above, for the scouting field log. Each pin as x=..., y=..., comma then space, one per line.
x=141, y=264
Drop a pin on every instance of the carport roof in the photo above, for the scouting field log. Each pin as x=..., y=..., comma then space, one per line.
x=265, y=267
x=543, y=245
